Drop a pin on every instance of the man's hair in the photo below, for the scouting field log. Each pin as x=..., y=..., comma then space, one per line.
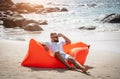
x=52, y=34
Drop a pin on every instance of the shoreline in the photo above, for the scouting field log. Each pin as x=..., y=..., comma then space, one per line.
x=109, y=40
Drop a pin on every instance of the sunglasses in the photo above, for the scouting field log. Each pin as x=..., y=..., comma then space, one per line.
x=55, y=37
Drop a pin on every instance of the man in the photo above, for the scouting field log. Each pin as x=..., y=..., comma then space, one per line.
x=56, y=47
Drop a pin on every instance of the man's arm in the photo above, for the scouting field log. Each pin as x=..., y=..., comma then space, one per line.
x=68, y=41
x=44, y=45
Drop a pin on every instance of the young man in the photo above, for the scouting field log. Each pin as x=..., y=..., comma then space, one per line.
x=56, y=47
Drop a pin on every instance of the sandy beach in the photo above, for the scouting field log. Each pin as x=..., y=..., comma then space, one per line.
x=103, y=56
x=94, y=22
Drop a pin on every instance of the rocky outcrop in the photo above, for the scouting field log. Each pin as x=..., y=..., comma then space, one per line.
x=27, y=7
x=111, y=18
x=39, y=9
x=6, y=5
x=11, y=20
x=32, y=27
x=49, y=10
x=43, y=22
x=10, y=14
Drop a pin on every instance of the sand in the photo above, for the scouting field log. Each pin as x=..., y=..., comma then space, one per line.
x=103, y=56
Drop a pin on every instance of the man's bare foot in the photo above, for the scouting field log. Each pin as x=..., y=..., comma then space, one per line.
x=88, y=46
x=85, y=69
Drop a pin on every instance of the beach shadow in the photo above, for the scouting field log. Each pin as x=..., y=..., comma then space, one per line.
x=59, y=70
x=47, y=69
x=90, y=67
x=88, y=73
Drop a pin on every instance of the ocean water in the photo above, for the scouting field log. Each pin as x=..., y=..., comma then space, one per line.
x=80, y=13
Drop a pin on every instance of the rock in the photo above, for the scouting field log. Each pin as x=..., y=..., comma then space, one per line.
x=12, y=19
x=27, y=7
x=111, y=18
x=1, y=22
x=38, y=6
x=87, y=28
x=19, y=21
x=8, y=12
x=43, y=22
x=40, y=11
x=48, y=10
x=2, y=16
x=27, y=21
x=91, y=5
x=32, y=27
x=5, y=5
x=11, y=22
x=64, y=9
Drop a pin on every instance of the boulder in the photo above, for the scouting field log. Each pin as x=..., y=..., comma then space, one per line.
x=91, y=5
x=19, y=21
x=111, y=18
x=64, y=9
x=1, y=22
x=48, y=10
x=11, y=22
x=2, y=16
x=32, y=27
x=87, y=28
x=43, y=22
x=5, y=5
x=12, y=19
x=36, y=6
x=40, y=11
x=27, y=21
x=27, y=7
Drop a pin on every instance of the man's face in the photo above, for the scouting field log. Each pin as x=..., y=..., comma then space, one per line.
x=54, y=38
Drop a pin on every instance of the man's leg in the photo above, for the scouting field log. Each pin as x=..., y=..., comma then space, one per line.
x=62, y=60
x=77, y=64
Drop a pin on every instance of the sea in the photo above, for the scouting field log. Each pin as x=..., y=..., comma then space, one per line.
x=81, y=13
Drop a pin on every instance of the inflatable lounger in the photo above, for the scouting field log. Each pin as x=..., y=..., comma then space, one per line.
x=37, y=56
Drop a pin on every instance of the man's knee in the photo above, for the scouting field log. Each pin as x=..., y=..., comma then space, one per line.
x=71, y=59
x=57, y=54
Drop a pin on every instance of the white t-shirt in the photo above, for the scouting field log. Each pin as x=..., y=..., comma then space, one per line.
x=55, y=46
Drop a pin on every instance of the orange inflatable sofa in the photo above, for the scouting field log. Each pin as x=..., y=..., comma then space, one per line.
x=37, y=56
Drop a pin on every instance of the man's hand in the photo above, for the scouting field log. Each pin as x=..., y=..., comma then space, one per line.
x=68, y=41
x=60, y=35
x=45, y=46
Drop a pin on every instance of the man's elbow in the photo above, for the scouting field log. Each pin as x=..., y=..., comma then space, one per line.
x=68, y=42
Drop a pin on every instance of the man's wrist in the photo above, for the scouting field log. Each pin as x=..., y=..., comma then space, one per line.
x=63, y=36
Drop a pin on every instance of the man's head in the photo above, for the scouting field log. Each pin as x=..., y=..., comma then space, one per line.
x=54, y=37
